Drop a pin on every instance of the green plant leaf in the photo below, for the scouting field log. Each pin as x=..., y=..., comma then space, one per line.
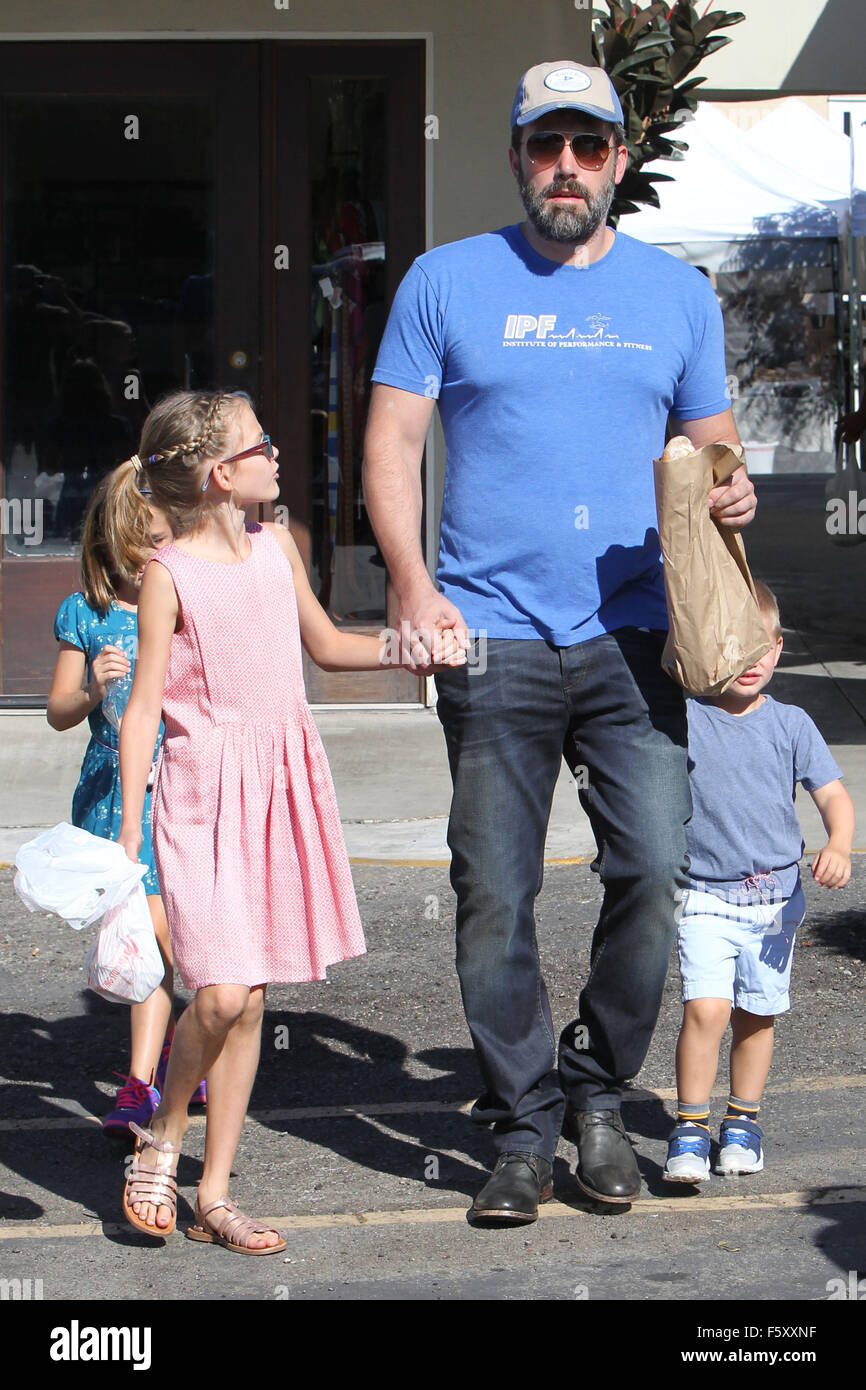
x=653, y=40
x=725, y=18
x=665, y=150
x=712, y=44
x=639, y=22
x=634, y=62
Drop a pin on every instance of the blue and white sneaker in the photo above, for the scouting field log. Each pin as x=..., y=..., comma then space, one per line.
x=740, y=1147
x=688, y=1155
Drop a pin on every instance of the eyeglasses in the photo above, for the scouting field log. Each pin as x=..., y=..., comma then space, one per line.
x=590, y=151
x=264, y=446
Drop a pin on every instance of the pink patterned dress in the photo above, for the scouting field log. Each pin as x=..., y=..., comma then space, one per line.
x=246, y=831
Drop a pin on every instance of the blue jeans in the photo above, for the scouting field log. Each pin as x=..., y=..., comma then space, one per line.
x=608, y=707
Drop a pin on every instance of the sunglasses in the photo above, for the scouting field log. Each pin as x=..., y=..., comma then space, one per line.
x=264, y=446
x=590, y=151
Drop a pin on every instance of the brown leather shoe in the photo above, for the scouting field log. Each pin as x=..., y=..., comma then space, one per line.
x=512, y=1194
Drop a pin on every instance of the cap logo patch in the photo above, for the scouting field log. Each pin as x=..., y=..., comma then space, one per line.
x=567, y=80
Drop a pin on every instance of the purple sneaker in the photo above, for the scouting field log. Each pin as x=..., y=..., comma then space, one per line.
x=136, y=1101
x=199, y=1095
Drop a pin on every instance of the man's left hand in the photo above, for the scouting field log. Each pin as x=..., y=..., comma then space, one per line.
x=733, y=503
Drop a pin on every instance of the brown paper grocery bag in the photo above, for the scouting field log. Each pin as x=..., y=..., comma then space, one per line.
x=716, y=631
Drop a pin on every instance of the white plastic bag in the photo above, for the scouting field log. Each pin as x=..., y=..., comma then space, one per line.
x=82, y=877
x=75, y=874
x=124, y=963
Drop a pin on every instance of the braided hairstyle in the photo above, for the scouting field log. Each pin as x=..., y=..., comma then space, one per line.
x=181, y=431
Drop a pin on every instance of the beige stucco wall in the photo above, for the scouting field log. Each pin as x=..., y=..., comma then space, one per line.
x=793, y=46
x=476, y=54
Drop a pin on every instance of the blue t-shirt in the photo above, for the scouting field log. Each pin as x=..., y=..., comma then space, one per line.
x=554, y=385
x=744, y=771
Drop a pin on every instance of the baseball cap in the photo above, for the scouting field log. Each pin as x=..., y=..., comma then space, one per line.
x=564, y=84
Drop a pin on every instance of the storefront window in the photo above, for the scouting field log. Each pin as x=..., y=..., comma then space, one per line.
x=349, y=240
x=108, y=277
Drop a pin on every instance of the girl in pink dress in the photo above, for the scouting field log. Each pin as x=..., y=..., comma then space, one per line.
x=246, y=831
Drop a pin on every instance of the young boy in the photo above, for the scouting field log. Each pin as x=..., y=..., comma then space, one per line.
x=744, y=901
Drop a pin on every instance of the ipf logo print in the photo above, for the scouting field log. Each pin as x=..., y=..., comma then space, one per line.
x=518, y=325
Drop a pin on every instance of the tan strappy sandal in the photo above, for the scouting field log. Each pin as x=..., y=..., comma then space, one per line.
x=234, y=1231
x=148, y=1184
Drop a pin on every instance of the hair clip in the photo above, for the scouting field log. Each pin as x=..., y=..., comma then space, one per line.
x=136, y=463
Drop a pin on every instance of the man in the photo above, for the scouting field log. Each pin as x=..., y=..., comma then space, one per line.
x=557, y=350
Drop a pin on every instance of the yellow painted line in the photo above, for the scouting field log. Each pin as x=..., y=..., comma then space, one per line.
x=9, y=1231
x=437, y=1216
x=797, y=1083
x=428, y=1107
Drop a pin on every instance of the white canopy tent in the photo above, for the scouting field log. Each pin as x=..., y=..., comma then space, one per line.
x=789, y=176
x=855, y=108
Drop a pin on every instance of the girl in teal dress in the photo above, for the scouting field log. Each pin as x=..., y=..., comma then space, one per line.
x=97, y=628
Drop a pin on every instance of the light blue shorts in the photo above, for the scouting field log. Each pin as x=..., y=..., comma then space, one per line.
x=739, y=951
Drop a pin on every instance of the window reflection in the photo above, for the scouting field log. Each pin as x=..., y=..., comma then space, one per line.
x=348, y=318
x=109, y=291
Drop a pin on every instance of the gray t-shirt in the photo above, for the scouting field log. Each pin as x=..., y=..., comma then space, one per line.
x=744, y=771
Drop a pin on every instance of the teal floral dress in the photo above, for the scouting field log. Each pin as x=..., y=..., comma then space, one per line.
x=96, y=805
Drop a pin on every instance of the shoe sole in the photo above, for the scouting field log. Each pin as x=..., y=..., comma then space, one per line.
x=605, y=1196
x=514, y=1218
x=211, y=1238
x=700, y=1171
x=733, y=1169
x=121, y=1130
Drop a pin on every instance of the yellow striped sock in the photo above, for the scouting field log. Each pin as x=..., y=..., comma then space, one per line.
x=742, y=1109
x=688, y=1114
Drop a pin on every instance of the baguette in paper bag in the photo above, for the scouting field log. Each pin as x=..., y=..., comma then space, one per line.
x=716, y=631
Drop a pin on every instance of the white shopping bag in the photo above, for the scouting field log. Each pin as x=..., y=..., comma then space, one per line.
x=82, y=877
x=75, y=874
x=124, y=963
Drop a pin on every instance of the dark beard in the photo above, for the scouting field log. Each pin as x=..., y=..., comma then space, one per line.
x=576, y=224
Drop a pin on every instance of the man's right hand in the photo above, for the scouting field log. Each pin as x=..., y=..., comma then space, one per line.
x=423, y=615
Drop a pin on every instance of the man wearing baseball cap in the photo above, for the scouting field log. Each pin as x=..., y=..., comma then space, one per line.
x=558, y=349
